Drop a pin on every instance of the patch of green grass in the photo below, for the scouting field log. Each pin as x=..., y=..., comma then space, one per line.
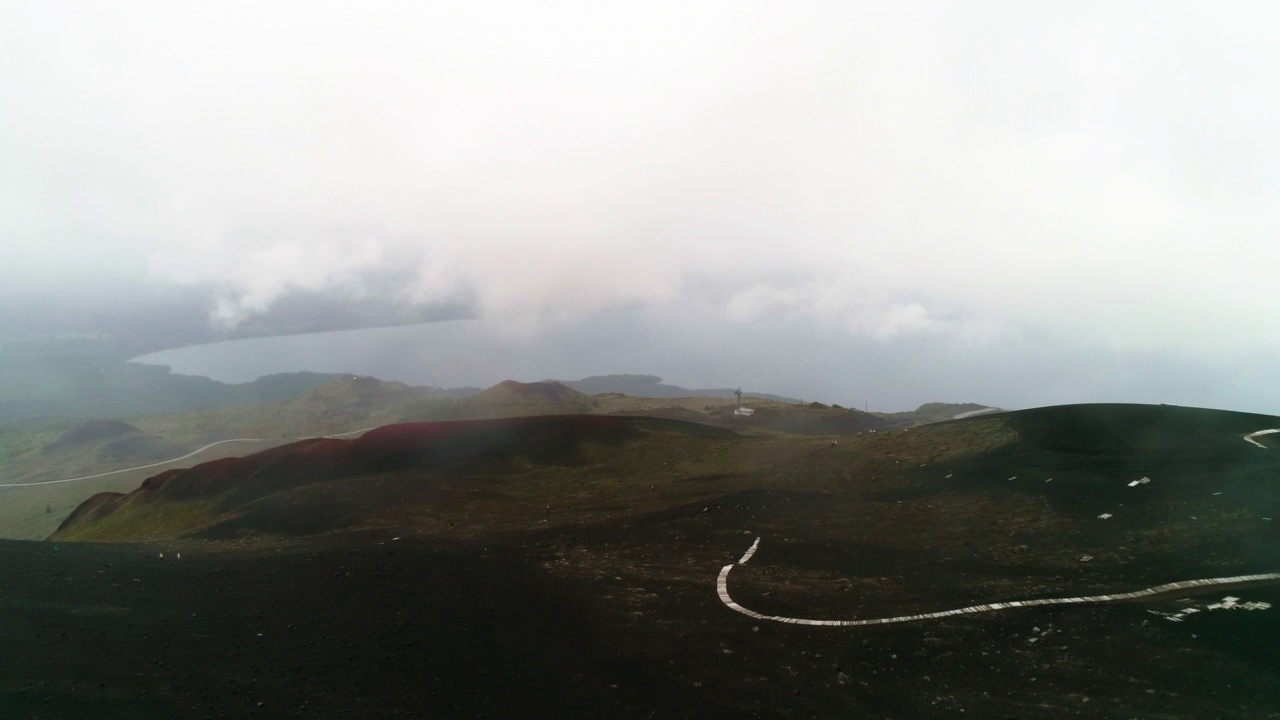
x=138, y=521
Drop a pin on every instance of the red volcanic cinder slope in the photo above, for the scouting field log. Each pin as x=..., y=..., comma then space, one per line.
x=407, y=446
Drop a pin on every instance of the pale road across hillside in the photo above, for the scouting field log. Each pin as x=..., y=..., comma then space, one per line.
x=174, y=460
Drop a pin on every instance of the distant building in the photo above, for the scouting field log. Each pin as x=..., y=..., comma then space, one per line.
x=744, y=412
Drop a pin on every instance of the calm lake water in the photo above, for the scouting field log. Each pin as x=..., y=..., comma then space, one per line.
x=476, y=353
x=782, y=355
x=448, y=354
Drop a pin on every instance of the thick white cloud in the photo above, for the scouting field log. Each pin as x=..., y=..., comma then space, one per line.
x=1097, y=174
x=250, y=278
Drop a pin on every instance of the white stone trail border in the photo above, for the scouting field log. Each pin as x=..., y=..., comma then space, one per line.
x=722, y=586
x=1250, y=437
x=174, y=460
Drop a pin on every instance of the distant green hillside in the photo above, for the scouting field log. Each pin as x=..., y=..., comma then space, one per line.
x=397, y=473
x=110, y=440
x=87, y=378
x=513, y=399
x=651, y=386
x=933, y=412
x=1132, y=486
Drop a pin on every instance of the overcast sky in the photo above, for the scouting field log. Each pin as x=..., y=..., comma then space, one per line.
x=1016, y=203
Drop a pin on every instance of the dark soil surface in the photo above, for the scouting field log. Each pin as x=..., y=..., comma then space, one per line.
x=469, y=595
x=594, y=622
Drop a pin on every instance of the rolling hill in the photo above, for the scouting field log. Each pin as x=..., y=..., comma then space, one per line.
x=344, y=404
x=515, y=399
x=935, y=412
x=413, y=461
x=103, y=441
x=651, y=386
x=574, y=559
x=1081, y=452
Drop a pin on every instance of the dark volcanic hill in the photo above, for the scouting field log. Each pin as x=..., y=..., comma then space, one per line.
x=1077, y=460
x=252, y=493
x=580, y=566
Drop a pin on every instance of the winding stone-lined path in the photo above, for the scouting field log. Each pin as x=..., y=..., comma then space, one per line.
x=1250, y=437
x=722, y=587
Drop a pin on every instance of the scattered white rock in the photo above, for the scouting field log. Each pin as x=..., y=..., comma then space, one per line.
x=1227, y=603
x=1233, y=603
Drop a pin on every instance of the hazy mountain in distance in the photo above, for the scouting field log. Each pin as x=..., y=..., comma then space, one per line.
x=99, y=441
x=86, y=387
x=651, y=386
x=511, y=399
x=936, y=412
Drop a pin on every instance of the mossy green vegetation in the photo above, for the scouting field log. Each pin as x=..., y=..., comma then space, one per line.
x=140, y=521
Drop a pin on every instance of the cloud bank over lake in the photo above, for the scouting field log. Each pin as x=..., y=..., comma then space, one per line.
x=988, y=201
